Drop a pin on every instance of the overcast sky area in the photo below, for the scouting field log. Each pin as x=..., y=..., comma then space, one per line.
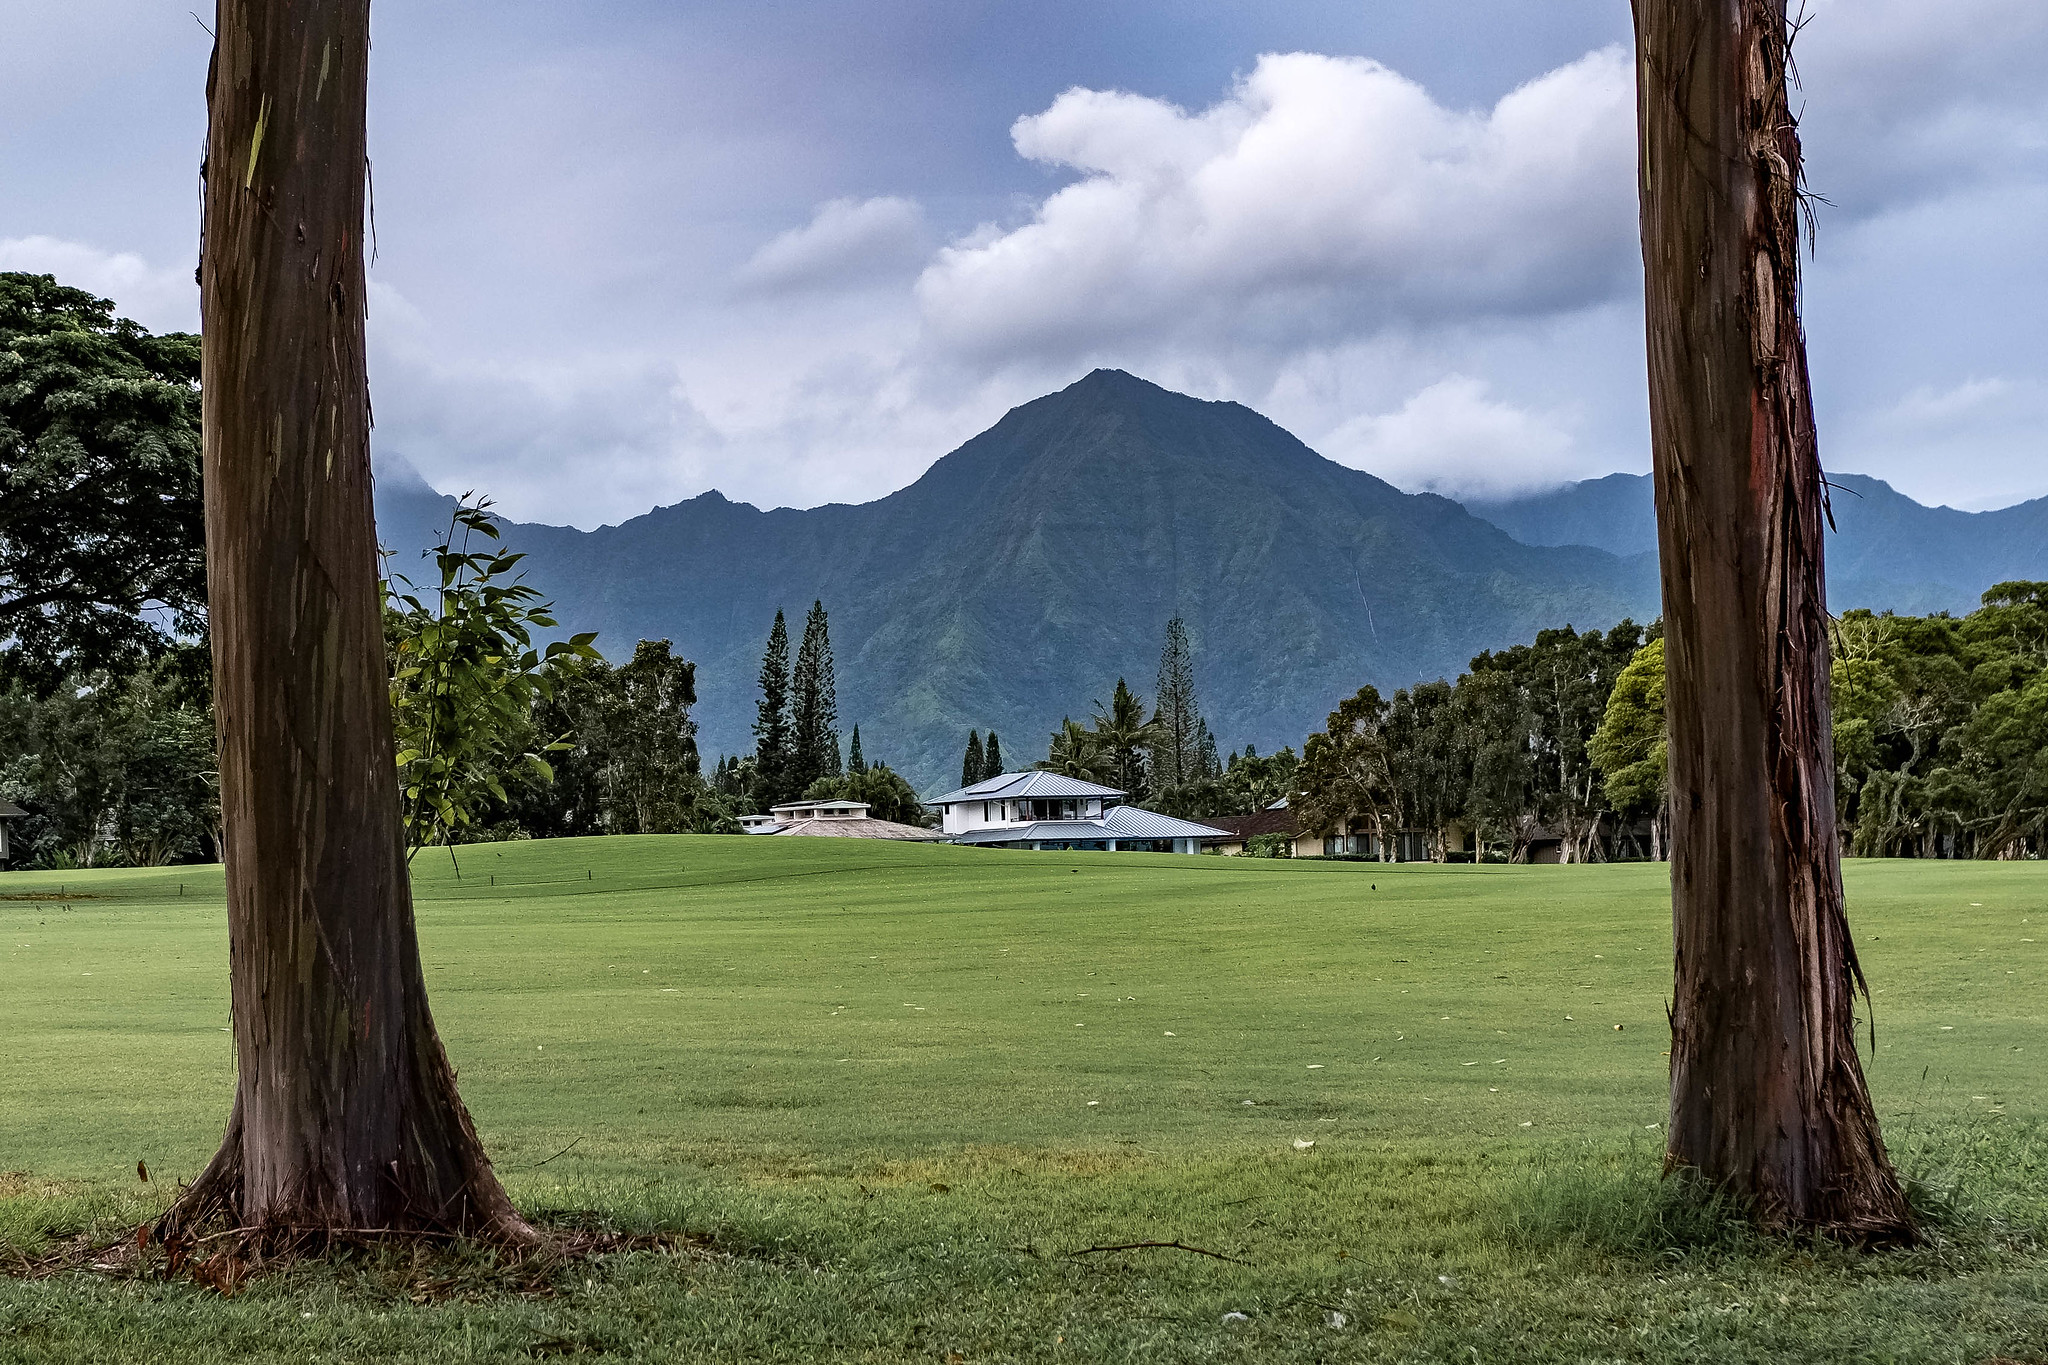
x=630, y=251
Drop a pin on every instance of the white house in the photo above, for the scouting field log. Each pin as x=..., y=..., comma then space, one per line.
x=1040, y=810
x=839, y=819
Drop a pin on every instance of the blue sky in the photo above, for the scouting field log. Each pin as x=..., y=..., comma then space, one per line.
x=628, y=252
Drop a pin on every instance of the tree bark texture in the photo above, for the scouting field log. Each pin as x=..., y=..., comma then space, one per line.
x=346, y=1114
x=1768, y=1098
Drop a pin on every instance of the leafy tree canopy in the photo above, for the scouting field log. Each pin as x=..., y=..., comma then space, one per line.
x=101, y=520
x=1630, y=747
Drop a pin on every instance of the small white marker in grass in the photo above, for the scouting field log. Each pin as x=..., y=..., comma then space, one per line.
x=1171, y=1034
x=1093, y=1103
x=1315, y=1066
x=1303, y=1144
x=1529, y=1125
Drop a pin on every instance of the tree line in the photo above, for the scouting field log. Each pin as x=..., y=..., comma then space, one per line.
x=1511, y=753
x=1940, y=740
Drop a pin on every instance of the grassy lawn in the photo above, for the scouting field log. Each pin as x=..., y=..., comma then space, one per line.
x=896, y=1085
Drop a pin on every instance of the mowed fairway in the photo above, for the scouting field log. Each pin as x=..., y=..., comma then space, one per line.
x=896, y=1083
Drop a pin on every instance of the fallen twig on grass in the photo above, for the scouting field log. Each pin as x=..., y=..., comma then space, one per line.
x=1175, y=1245
x=538, y=1164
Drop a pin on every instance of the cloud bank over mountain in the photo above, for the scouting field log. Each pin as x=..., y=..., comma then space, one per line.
x=628, y=256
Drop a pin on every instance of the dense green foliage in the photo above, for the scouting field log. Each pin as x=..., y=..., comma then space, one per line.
x=854, y=1070
x=1630, y=747
x=465, y=681
x=1504, y=754
x=973, y=768
x=630, y=763
x=112, y=769
x=1941, y=728
x=101, y=523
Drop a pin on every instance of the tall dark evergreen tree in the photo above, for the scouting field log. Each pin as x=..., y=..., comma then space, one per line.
x=772, y=765
x=855, y=762
x=1208, y=764
x=992, y=758
x=1177, y=747
x=814, y=706
x=971, y=764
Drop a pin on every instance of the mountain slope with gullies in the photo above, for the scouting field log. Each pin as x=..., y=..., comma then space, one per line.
x=1026, y=571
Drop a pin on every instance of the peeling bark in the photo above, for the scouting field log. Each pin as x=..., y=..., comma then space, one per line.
x=1768, y=1097
x=346, y=1114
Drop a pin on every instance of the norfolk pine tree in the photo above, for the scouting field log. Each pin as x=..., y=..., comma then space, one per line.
x=1176, y=746
x=813, y=707
x=772, y=758
x=1768, y=1099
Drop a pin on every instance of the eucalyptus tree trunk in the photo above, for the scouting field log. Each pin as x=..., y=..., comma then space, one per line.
x=1767, y=1094
x=345, y=1115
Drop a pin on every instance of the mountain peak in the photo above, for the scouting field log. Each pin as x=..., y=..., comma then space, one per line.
x=1118, y=386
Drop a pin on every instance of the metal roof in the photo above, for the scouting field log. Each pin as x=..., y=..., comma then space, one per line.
x=856, y=829
x=1011, y=786
x=1066, y=830
x=1129, y=822
x=1123, y=822
x=8, y=810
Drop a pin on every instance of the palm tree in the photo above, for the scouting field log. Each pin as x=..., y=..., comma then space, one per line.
x=1123, y=733
x=1075, y=752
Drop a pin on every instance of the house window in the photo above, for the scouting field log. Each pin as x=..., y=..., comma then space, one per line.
x=1049, y=808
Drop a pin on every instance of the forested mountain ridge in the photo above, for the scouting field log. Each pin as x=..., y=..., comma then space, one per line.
x=1026, y=571
x=1888, y=552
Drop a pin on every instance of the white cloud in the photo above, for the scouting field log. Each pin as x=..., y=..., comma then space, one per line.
x=1325, y=198
x=848, y=242
x=1454, y=438
x=163, y=300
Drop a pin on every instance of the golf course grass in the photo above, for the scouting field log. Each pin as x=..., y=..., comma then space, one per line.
x=889, y=1089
